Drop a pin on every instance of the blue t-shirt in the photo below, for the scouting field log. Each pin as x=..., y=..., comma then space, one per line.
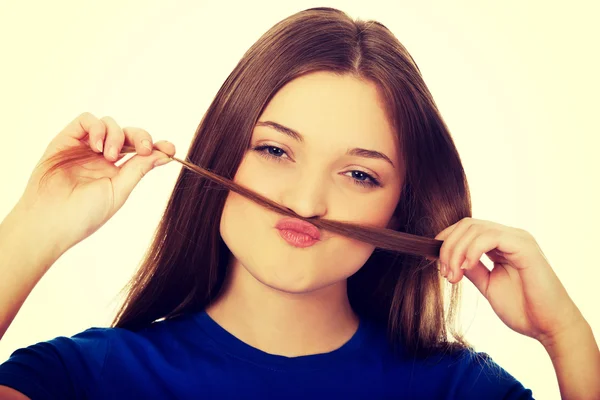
x=192, y=356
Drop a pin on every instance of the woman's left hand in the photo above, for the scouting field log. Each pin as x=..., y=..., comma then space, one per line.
x=522, y=288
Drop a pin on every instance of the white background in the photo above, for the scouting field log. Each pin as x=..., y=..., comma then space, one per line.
x=517, y=83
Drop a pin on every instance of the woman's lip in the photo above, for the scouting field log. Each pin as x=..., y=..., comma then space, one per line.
x=297, y=225
x=297, y=239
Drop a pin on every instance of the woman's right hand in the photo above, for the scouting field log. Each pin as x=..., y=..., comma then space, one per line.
x=73, y=203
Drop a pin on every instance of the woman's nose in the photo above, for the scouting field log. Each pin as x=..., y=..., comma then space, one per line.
x=306, y=196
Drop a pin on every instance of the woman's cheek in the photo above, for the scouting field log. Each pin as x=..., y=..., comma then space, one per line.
x=264, y=177
x=372, y=208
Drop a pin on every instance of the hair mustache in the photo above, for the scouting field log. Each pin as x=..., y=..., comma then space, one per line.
x=381, y=238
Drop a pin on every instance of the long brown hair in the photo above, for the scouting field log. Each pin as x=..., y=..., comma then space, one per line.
x=399, y=285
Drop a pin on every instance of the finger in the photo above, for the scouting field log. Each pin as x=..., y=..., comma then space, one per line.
x=484, y=242
x=446, y=232
x=166, y=147
x=452, y=237
x=97, y=134
x=140, y=139
x=480, y=276
x=163, y=146
x=458, y=252
x=79, y=127
x=114, y=139
x=442, y=236
x=130, y=174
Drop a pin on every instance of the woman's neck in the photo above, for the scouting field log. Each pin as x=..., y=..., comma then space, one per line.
x=280, y=323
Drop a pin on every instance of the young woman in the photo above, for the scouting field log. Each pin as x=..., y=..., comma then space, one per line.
x=330, y=119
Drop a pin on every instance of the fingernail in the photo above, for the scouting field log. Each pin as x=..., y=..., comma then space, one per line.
x=99, y=145
x=444, y=269
x=450, y=275
x=464, y=265
x=112, y=153
x=161, y=161
x=146, y=144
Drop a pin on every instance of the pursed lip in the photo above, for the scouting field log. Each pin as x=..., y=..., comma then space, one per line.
x=295, y=224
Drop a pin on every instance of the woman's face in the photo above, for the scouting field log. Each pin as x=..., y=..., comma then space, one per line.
x=315, y=173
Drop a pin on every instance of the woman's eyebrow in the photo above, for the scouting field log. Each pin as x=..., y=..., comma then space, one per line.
x=298, y=137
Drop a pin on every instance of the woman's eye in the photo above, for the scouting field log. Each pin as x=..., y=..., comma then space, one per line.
x=272, y=152
x=363, y=179
x=275, y=153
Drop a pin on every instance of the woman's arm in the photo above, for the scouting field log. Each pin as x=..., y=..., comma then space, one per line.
x=576, y=359
x=7, y=393
x=26, y=253
x=526, y=294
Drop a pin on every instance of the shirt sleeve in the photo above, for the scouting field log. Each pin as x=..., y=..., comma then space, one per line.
x=61, y=368
x=482, y=378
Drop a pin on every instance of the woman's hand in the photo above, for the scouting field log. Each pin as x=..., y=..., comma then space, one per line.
x=522, y=288
x=74, y=203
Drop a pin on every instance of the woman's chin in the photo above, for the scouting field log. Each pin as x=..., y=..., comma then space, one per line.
x=291, y=283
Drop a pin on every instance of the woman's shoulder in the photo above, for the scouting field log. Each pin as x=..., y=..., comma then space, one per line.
x=94, y=342
x=61, y=367
x=471, y=374
x=450, y=369
x=69, y=363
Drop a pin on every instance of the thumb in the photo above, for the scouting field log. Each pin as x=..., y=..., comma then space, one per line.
x=131, y=173
x=480, y=276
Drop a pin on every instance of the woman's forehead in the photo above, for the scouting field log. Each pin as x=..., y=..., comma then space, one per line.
x=336, y=109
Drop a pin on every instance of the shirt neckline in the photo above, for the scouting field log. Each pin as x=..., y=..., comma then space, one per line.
x=243, y=351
